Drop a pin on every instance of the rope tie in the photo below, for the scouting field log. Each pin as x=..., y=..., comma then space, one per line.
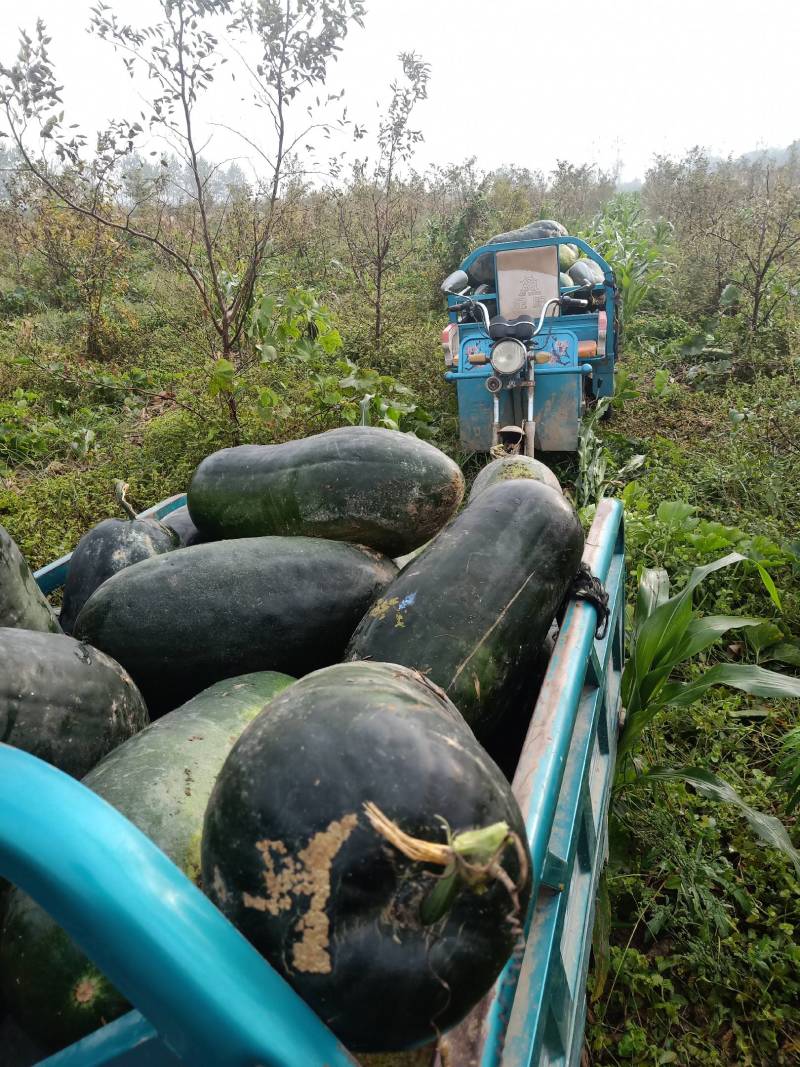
x=585, y=586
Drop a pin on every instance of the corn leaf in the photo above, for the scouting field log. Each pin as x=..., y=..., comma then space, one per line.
x=789, y=768
x=632, y=730
x=703, y=631
x=656, y=639
x=743, y=676
x=660, y=633
x=783, y=652
x=766, y=578
x=749, y=679
x=767, y=827
x=652, y=592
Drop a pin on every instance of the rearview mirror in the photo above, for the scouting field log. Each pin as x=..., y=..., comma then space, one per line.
x=455, y=282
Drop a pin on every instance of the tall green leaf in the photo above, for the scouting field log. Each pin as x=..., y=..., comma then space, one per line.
x=743, y=676
x=700, y=634
x=652, y=592
x=747, y=678
x=660, y=633
x=769, y=585
x=789, y=768
x=704, y=630
x=657, y=639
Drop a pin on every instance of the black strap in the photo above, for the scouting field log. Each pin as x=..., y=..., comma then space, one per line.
x=586, y=587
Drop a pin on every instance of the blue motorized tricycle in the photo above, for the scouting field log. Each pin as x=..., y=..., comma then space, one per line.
x=529, y=345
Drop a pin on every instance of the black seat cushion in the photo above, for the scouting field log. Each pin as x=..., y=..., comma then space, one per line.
x=522, y=328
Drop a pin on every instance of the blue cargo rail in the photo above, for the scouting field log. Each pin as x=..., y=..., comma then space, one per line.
x=204, y=996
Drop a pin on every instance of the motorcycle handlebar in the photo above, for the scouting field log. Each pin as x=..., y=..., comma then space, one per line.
x=571, y=301
x=564, y=302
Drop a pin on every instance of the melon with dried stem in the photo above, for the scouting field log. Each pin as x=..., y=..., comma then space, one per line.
x=366, y=844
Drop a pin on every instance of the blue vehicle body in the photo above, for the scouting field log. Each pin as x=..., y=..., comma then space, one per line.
x=562, y=383
x=205, y=998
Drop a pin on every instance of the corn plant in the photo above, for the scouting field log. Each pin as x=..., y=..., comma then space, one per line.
x=594, y=477
x=635, y=246
x=592, y=458
x=667, y=634
x=789, y=769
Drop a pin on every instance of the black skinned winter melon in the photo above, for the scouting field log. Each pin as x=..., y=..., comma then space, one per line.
x=64, y=701
x=181, y=621
x=180, y=521
x=106, y=549
x=507, y=468
x=161, y=780
x=310, y=857
x=374, y=487
x=482, y=270
x=472, y=610
x=22, y=603
x=586, y=272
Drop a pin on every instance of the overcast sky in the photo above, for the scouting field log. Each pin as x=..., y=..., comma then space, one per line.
x=516, y=81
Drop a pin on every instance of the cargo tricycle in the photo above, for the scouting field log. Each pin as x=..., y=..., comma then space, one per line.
x=204, y=996
x=528, y=345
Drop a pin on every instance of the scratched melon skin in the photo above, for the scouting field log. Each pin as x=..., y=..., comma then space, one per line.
x=290, y=857
x=105, y=550
x=64, y=701
x=161, y=780
x=472, y=611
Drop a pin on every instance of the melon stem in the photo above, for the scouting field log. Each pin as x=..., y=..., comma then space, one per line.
x=414, y=848
x=473, y=855
x=120, y=491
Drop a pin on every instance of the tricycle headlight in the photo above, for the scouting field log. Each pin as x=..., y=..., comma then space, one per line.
x=508, y=356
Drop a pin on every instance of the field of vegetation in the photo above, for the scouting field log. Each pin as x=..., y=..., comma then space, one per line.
x=152, y=312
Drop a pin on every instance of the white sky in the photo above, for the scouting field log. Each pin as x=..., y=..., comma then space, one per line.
x=515, y=81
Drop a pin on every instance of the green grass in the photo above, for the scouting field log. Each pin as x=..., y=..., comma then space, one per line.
x=705, y=961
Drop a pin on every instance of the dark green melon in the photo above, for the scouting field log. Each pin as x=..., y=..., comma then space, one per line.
x=291, y=856
x=63, y=700
x=16, y=1048
x=481, y=272
x=586, y=272
x=22, y=603
x=471, y=612
x=161, y=780
x=567, y=256
x=507, y=468
x=374, y=487
x=180, y=521
x=106, y=549
x=181, y=621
